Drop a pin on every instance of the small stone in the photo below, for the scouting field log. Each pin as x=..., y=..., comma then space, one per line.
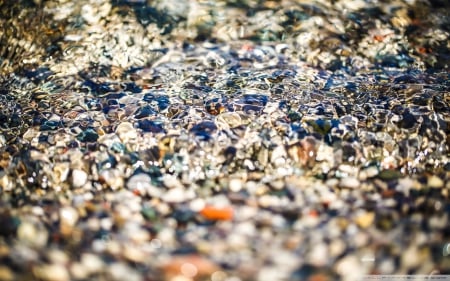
x=6, y=274
x=369, y=172
x=188, y=264
x=113, y=178
x=61, y=172
x=5, y=182
x=134, y=254
x=142, y=184
x=89, y=135
x=171, y=181
x=435, y=182
x=68, y=215
x=121, y=271
x=175, y=195
x=365, y=220
x=197, y=204
x=52, y=272
x=318, y=256
x=57, y=257
x=217, y=213
x=32, y=234
x=235, y=185
x=79, y=178
x=350, y=267
x=350, y=182
x=91, y=263
x=126, y=132
x=278, y=156
x=410, y=258
x=78, y=271
x=389, y=175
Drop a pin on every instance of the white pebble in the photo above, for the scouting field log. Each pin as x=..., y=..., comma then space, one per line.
x=350, y=182
x=68, y=216
x=79, y=178
x=235, y=185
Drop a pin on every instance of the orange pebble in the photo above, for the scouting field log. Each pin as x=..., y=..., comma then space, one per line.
x=313, y=213
x=379, y=38
x=214, y=213
x=247, y=47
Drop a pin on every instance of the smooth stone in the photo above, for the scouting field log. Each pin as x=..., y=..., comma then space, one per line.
x=52, y=272
x=120, y=271
x=369, y=172
x=235, y=185
x=91, y=263
x=318, y=255
x=32, y=234
x=78, y=271
x=278, y=156
x=113, y=178
x=337, y=247
x=134, y=254
x=5, y=182
x=411, y=258
x=6, y=274
x=350, y=267
x=175, y=195
x=126, y=132
x=68, y=215
x=435, y=182
x=58, y=257
x=171, y=181
x=142, y=184
x=350, y=182
x=365, y=220
x=79, y=178
x=197, y=205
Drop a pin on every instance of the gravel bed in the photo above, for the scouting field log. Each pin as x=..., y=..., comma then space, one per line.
x=227, y=140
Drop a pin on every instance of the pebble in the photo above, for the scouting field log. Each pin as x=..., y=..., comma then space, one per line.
x=126, y=132
x=140, y=182
x=411, y=258
x=350, y=182
x=235, y=185
x=6, y=274
x=58, y=257
x=197, y=204
x=113, y=178
x=217, y=213
x=120, y=271
x=318, y=255
x=189, y=266
x=175, y=195
x=350, y=268
x=77, y=271
x=79, y=178
x=91, y=263
x=32, y=234
x=337, y=247
x=68, y=216
x=435, y=182
x=51, y=272
x=365, y=220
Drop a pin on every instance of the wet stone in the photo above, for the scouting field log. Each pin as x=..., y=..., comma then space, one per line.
x=89, y=135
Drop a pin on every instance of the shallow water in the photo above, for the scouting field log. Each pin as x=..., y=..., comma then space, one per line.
x=224, y=140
